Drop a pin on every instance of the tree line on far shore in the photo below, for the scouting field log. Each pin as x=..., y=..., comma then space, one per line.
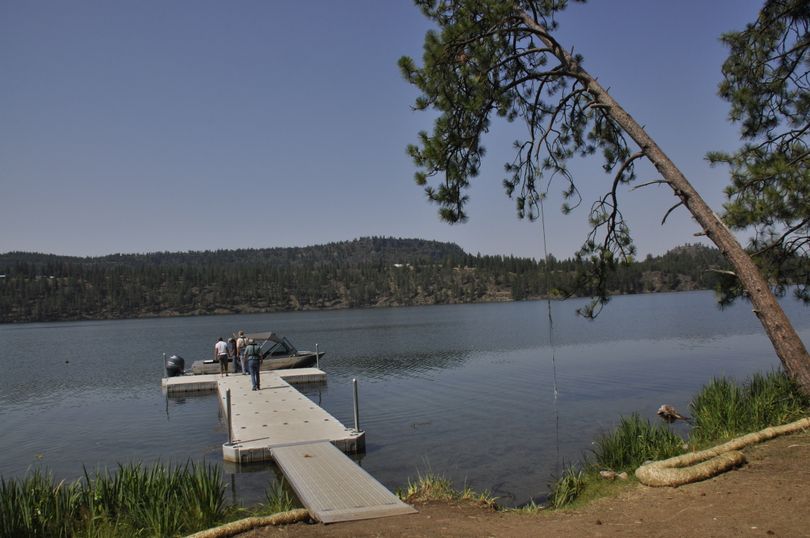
x=367, y=272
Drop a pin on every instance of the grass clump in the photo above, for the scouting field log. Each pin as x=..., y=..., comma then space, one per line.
x=576, y=487
x=567, y=488
x=434, y=487
x=484, y=498
x=134, y=500
x=159, y=500
x=37, y=507
x=723, y=409
x=634, y=441
x=430, y=487
x=278, y=498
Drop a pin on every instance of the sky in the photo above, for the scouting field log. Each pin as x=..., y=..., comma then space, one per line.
x=144, y=126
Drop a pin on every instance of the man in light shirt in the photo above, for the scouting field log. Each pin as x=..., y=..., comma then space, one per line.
x=221, y=355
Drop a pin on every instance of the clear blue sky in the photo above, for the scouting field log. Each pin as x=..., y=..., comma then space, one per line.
x=192, y=125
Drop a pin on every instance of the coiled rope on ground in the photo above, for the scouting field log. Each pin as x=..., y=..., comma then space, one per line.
x=250, y=523
x=704, y=464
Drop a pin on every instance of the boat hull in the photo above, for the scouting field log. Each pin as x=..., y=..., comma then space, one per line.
x=304, y=359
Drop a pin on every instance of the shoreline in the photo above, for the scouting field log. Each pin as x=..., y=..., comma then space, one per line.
x=251, y=311
x=765, y=497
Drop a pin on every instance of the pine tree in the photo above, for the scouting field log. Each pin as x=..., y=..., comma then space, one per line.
x=766, y=81
x=500, y=57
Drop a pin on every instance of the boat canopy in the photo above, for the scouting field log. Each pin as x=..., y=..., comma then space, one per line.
x=279, y=345
x=265, y=336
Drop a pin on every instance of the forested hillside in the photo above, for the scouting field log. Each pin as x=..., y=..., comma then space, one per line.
x=367, y=272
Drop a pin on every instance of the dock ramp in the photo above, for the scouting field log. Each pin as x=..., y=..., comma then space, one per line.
x=332, y=487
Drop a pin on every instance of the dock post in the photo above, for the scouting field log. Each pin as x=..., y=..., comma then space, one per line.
x=228, y=410
x=165, y=370
x=317, y=358
x=356, y=408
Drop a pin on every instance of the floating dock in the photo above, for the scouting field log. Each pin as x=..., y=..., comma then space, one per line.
x=279, y=423
x=210, y=382
x=277, y=415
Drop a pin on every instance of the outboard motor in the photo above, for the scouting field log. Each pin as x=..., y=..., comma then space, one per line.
x=175, y=366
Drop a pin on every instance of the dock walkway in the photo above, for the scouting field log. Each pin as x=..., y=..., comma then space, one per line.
x=277, y=415
x=307, y=443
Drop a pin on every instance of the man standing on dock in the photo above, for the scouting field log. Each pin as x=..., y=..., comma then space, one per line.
x=241, y=343
x=233, y=357
x=221, y=355
x=253, y=354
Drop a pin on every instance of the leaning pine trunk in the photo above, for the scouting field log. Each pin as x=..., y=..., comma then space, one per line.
x=789, y=347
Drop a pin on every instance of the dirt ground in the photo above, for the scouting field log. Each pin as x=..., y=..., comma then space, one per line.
x=768, y=496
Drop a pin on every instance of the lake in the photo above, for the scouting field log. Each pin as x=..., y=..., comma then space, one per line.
x=465, y=391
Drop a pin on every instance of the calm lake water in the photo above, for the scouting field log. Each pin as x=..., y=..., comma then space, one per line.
x=466, y=391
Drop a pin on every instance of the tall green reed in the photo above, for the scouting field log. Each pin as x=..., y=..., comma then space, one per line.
x=37, y=507
x=567, y=488
x=156, y=501
x=430, y=487
x=634, y=441
x=721, y=410
x=163, y=500
x=724, y=409
x=204, y=494
x=278, y=498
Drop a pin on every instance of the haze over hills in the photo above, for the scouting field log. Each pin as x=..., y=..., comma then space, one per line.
x=365, y=272
x=365, y=249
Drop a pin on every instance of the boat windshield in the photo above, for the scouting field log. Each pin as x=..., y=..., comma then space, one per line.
x=282, y=348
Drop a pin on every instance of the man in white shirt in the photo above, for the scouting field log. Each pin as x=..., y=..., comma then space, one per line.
x=221, y=354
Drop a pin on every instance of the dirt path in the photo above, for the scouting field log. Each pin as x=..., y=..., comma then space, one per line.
x=769, y=496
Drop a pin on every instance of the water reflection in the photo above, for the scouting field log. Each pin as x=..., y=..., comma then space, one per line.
x=405, y=364
x=475, y=392
x=314, y=391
